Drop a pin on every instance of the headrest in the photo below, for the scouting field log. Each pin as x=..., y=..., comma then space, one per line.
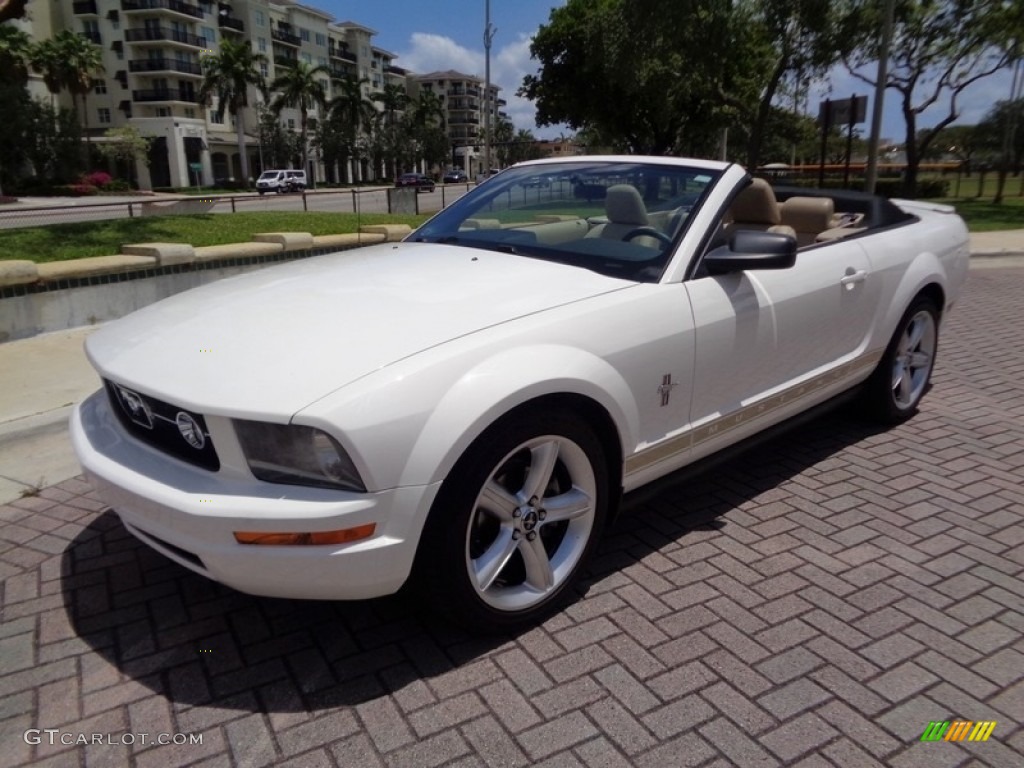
x=755, y=205
x=623, y=205
x=808, y=214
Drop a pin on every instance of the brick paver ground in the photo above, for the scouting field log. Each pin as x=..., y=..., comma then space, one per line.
x=815, y=603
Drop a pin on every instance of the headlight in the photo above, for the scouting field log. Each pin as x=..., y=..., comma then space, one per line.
x=296, y=455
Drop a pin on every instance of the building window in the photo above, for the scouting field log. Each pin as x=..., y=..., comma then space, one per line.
x=210, y=35
x=291, y=123
x=262, y=44
x=304, y=34
x=99, y=86
x=261, y=20
x=307, y=58
x=104, y=115
x=190, y=112
x=163, y=112
x=321, y=39
x=321, y=61
x=120, y=54
x=264, y=70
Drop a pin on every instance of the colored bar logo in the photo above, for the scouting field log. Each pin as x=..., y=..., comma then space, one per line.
x=958, y=730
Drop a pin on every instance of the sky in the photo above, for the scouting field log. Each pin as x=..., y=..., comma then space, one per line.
x=448, y=34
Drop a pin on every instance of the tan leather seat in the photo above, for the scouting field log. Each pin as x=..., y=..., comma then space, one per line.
x=626, y=211
x=755, y=208
x=808, y=216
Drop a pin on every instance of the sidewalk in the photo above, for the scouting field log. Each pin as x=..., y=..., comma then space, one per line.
x=44, y=376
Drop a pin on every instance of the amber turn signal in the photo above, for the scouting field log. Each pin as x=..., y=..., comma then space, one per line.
x=344, y=536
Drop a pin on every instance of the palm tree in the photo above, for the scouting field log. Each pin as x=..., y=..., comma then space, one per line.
x=393, y=99
x=83, y=59
x=301, y=87
x=351, y=111
x=45, y=58
x=228, y=75
x=15, y=48
x=69, y=61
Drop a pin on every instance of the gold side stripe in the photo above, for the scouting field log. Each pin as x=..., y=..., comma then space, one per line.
x=725, y=424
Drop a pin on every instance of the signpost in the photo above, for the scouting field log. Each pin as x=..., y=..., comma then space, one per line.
x=847, y=112
x=197, y=168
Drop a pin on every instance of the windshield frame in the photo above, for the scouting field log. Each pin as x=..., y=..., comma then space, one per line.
x=560, y=211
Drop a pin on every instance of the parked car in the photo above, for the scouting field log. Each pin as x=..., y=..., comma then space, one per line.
x=455, y=176
x=463, y=410
x=422, y=182
x=286, y=180
x=537, y=181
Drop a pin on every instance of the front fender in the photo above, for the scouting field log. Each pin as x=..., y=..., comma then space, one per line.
x=506, y=381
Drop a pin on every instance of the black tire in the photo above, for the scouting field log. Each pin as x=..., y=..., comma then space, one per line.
x=497, y=561
x=260, y=191
x=903, y=375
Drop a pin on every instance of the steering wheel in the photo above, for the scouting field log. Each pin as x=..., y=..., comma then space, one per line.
x=647, y=232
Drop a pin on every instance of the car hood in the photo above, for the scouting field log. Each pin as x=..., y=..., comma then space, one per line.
x=271, y=342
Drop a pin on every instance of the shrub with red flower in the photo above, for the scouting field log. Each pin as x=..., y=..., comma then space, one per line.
x=97, y=179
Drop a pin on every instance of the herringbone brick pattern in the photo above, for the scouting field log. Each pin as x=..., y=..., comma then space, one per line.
x=816, y=603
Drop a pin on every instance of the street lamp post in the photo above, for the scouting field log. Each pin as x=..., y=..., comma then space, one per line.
x=489, y=32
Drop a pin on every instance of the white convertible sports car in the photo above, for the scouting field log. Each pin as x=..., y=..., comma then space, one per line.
x=463, y=410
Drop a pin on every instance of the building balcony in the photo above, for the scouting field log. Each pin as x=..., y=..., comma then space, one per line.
x=93, y=37
x=393, y=70
x=342, y=73
x=165, y=65
x=341, y=53
x=280, y=36
x=168, y=7
x=474, y=92
x=285, y=61
x=163, y=35
x=85, y=8
x=229, y=22
x=464, y=105
x=464, y=121
x=165, y=94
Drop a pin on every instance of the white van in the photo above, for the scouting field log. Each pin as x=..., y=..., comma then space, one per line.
x=288, y=180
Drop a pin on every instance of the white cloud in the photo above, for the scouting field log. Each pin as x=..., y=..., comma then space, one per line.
x=509, y=65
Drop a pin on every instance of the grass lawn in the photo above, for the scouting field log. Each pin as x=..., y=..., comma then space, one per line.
x=982, y=215
x=59, y=242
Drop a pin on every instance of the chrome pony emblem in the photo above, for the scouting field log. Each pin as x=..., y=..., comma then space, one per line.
x=136, y=408
x=190, y=430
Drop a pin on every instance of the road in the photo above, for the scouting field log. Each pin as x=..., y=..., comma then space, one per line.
x=36, y=211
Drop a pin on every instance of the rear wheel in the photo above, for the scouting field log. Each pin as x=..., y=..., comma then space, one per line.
x=895, y=389
x=515, y=522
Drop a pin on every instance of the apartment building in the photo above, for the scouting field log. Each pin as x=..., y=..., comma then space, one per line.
x=462, y=97
x=152, y=51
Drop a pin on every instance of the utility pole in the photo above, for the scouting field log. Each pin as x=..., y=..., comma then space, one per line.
x=489, y=32
x=876, y=114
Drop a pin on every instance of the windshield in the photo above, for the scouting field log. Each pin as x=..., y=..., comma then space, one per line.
x=616, y=217
x=267, y=175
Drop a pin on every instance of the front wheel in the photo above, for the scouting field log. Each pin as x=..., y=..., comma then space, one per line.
x=895, y=389
x=515, y=522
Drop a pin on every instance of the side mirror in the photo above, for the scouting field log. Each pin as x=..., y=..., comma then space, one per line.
x=752, y=250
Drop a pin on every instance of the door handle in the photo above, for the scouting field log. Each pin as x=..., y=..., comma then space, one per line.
x=851, y=278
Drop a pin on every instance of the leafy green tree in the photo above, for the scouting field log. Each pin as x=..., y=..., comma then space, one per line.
x=278, y=147
x=227, y=76
x=301, y=87
x=52, y=142
x=939, y=48
x=125, y=146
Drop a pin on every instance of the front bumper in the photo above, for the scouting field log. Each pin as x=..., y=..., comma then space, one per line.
x=190, y=514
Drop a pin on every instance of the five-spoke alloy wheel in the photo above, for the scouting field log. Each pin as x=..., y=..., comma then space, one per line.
x=516, y=520
x=901, y=379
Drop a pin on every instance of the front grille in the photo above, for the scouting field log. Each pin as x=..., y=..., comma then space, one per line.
x=168, y=428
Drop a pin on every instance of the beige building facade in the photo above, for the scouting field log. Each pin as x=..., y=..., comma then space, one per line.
x=152, y=53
